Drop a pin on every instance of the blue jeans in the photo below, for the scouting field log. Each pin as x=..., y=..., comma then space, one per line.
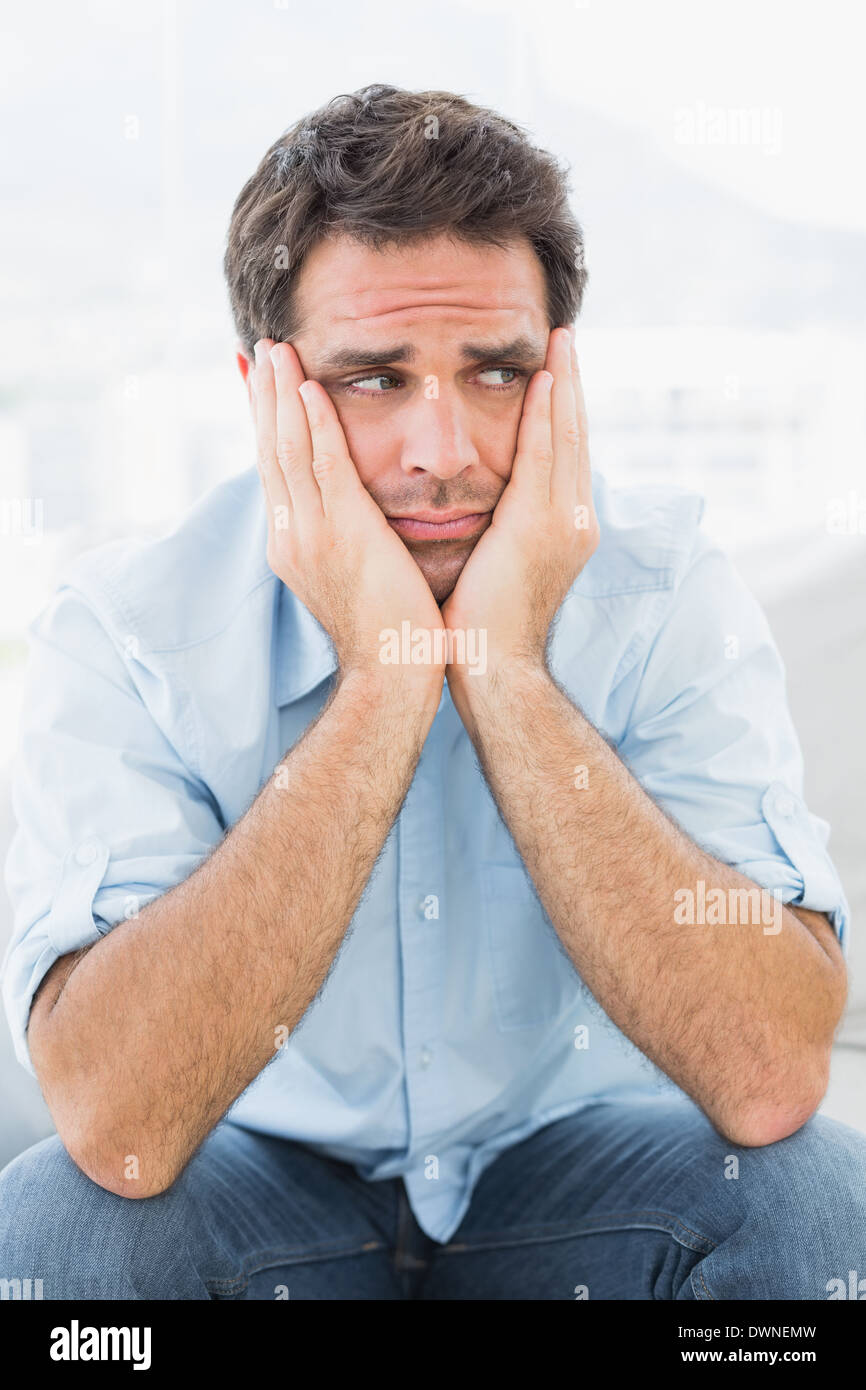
x=630, y=1200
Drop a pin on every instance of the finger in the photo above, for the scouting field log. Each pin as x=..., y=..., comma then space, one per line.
x=333, y=471
x=584, y=467
x=566, y=434
x=294, y=447
x=273, y=482
x=533, y=456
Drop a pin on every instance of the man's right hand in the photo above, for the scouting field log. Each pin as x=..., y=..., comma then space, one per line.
x=122, y=1035
x=328, y=541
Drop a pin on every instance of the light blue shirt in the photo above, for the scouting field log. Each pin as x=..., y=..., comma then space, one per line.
x=169, y=677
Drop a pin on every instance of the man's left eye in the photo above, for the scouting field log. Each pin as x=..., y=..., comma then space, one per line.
x=512, y=373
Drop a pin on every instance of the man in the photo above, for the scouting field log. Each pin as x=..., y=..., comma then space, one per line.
x=414, y=892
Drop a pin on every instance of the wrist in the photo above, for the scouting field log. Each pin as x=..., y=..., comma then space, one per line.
x=497, y=696
x=501, y=673
x=409, y=691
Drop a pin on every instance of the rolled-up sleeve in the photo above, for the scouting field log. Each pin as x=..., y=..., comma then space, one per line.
x=108, y=815
x=711, y=738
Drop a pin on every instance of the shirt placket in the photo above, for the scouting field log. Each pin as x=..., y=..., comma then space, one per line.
x=421, y=915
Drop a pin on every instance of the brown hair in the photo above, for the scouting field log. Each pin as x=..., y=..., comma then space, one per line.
x=386, y=166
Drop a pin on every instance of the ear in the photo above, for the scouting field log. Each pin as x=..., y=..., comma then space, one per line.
x=244, y=367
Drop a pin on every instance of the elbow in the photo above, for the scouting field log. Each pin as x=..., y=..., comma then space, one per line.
x=761, y=1125
x=109, y=1149
x=788, y=1105
x=129, y=1170
x=128, y=1175
x=99, y=1126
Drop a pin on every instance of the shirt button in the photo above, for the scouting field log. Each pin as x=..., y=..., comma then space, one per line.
x=785, y=804
x=86, y=853
x=426, y=1056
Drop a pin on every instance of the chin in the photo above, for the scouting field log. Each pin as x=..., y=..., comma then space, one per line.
x=441, y=594
x=441, y=586
x=442, y=577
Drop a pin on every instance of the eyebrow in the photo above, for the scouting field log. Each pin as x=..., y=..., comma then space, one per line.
x=523, y=350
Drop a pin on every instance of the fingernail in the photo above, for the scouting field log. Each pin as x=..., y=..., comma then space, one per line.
x=259, y=351
x=547, y=378
x=304, y=391
x=275, y=355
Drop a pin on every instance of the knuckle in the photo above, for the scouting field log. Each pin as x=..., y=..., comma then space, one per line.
x=287, y=453
x=324, y=464
x=542, y=455
x=573, y=433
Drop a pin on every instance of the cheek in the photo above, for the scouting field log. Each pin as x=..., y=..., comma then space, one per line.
x=500, y=459
x=373, y=444
x=499, y=443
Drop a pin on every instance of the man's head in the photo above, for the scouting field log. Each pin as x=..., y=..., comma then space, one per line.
x=415, y=250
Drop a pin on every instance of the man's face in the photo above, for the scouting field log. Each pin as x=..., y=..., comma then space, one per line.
x=426, y=352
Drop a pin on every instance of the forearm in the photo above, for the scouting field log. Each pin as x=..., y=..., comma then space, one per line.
x=166, y=1020
x=741, y=1018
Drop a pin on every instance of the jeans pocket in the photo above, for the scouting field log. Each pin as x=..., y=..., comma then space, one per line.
x=533, y=977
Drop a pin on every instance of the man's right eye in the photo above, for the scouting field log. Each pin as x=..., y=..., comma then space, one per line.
x=360, y=387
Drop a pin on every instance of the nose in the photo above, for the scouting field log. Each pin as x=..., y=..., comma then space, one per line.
x=436, y=437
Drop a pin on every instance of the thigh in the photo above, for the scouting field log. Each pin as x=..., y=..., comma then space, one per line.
x=284, y=1222
x=251, y=1217
x=646, y=1200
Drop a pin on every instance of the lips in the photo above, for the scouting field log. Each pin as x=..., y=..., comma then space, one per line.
x=432, y=525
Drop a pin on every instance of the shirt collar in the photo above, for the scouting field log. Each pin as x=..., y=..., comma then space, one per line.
x=305, y=652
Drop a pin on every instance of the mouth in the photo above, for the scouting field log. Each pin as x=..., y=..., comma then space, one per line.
x=435, y=526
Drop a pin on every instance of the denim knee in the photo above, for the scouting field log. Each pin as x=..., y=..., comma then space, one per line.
x=78, y=1240
x=803, y=1200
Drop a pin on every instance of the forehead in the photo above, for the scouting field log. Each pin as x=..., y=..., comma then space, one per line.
x=344, y=286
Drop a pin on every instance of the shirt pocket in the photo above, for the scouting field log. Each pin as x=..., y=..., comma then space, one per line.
x=533, y=977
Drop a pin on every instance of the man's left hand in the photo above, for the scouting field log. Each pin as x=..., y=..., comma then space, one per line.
x=544, y=528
